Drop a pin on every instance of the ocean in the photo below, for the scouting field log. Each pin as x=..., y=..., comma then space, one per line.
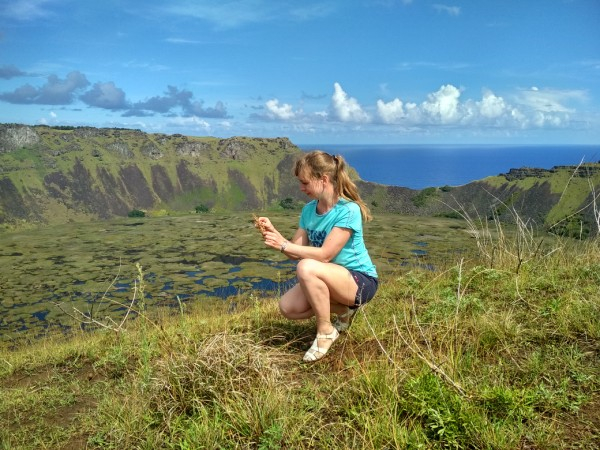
x=421, y=166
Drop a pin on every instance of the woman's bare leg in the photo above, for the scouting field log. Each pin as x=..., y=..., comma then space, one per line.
x=326, y=287
x=293, y=304
x=341, y=290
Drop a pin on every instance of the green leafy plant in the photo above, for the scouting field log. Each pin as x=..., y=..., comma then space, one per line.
x=423, y=196
x=136, y=213
x=287, y=203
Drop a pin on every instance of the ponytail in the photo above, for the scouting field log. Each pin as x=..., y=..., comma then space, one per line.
x=318, y=163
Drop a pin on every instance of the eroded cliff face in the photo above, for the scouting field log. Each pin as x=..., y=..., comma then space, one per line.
x=49, y=174
x=13, y=137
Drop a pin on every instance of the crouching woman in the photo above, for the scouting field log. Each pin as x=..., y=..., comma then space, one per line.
x=335, y=274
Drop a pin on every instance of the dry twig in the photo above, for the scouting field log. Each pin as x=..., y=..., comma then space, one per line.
x=258, y=224
x=427, y=359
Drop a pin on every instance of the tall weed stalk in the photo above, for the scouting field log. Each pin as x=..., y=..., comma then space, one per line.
x=497, y=246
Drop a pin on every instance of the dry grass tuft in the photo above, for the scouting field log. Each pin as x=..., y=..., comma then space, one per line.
x=214, y=371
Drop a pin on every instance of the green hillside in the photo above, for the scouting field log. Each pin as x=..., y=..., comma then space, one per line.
x=561, y=199
x=52, y=175
x=55, y=175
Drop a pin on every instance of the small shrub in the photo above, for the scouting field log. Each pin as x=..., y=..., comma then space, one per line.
x=421, y=198
x=201, y=209
x=136, y=213
x=450, y=215
x=287, y=203
x=574, y=226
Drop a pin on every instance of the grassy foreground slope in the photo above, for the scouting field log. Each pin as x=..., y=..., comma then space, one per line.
x=498, y=353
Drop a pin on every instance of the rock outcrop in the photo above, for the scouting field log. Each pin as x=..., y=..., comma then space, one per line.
x=13, y=137
x=583, y=170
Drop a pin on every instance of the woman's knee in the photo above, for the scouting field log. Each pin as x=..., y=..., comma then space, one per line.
x=291, y=303
x=306, y=268
x=284, y=308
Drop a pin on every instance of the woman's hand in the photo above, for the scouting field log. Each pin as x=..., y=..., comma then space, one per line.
x=270, y=235
x=274, y=239
x=266, y=225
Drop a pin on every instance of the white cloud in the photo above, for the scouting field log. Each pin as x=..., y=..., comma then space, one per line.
x=280, y=112
x=24, y=10
x=491, y=106
x=444, y=67
x=532, y=109
x=56, y=91
x=413, y=113
x=535, y=109
x=226, y=14
x=347, y=109
x=551, y=100
x=518, y=117
x=173, y=40
x=450, y=10
x=223, y=14
x=390, y=112
x=541, y=119
x=193, y=122
x=443, y=104
x=105, y=95
x=133, y=64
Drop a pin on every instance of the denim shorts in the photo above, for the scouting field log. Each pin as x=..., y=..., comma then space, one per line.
x=367, y=286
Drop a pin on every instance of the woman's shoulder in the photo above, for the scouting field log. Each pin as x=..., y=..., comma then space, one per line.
x=347, y=209
x=347, y=204
x=309, y=205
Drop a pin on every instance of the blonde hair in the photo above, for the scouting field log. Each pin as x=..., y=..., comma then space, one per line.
x=317, y=163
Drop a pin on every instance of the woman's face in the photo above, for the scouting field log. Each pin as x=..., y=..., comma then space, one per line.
x=311, y=186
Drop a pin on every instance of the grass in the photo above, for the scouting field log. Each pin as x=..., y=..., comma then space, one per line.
x=487, y=353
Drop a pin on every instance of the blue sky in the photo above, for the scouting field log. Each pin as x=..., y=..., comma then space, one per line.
x=316, y=71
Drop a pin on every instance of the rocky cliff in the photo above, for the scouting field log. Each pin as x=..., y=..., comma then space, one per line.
x=52, y=175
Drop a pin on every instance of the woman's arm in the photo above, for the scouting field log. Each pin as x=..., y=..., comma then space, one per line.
x=298, y=248
x=274, y=239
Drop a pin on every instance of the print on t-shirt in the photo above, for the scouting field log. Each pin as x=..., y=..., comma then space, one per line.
x=317, y=237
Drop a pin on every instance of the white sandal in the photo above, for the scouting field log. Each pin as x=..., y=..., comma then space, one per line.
x=343, y=326
x=315, y=352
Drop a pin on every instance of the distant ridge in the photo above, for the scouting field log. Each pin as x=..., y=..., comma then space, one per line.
x=584, y=171
x=51, y=175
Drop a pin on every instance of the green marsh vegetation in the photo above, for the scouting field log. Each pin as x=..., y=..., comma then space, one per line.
x=492, y=344
x=91, y=267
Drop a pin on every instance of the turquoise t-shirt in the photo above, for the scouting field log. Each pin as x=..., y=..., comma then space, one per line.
x=345, y=214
